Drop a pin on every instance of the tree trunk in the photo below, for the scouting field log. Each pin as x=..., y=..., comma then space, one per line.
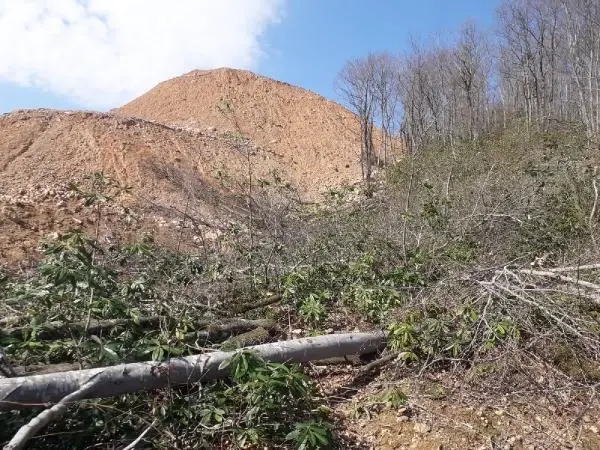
x=37, y=390
x=211, y=330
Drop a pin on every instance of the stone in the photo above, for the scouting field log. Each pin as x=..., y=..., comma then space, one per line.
x=422, y=428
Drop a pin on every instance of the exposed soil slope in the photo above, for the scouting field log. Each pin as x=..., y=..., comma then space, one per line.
x=316, y=139
x=168, y=169
x=187, y=144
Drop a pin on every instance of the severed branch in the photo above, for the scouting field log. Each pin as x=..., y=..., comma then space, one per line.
x=575, y=268
x=260, y=304
x=494, y=286
x=58, y=329
x=29, y=430
x=140, y=437
x=218, y=332
x=557, y=276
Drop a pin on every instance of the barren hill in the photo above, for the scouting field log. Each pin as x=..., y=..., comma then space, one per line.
x=169, y=169
x=316, y=139
x=191, y=144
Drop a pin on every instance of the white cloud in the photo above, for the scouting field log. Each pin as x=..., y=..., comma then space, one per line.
x=101, y=53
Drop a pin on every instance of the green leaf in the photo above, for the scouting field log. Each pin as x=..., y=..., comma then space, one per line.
x=225, y=364
x=112, y=354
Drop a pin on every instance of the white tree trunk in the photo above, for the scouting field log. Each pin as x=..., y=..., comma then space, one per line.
x=23, y=392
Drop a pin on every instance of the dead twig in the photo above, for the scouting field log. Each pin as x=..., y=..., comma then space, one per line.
x=140, y=437
x=575, y=268
x=566, y=279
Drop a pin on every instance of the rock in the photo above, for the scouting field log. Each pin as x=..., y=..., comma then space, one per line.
x=514, y=440
x=422, y=428
x=594, y=429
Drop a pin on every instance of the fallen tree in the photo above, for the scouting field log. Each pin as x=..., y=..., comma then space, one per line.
x=220, y=331
x=59, y=329
x=211, y=330
x=39, y=390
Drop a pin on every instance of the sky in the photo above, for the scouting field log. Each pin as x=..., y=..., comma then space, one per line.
x=100, y=54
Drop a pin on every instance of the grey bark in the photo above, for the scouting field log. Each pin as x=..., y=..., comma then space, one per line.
x=29, y=430
x=38, y=390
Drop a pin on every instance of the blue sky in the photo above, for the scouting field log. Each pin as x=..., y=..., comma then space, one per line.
x=316, y=37
x=74, y=58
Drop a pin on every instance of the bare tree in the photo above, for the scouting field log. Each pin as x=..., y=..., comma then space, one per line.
x=550, y=61
x=582, y=23
x=356, y=83
x=385, y=90
x=472, y=72
x=444, y=90
x=419, y=98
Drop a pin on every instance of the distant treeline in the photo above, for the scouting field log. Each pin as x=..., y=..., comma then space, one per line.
x=539, y=63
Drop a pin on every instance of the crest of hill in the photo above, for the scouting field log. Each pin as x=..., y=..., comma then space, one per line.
x=316, y=140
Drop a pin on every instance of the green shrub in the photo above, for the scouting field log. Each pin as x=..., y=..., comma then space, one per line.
x=436, y=333
x=364, y=285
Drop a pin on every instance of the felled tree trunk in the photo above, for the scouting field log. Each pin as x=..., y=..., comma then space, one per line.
x=58, y=329
x=37, y=390
x=213, y=330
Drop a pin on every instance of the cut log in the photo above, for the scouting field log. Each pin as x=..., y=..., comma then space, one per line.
x=214, y=330
x=59, y=329
x=218, y=332
x=38, y=423
x=241, y=309
x=38, y=390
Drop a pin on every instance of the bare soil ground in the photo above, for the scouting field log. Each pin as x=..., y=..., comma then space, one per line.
x=443, y=411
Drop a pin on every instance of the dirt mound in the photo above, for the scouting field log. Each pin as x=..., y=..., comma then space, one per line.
x=171, y=171
x=190, y=146
x=316, y=139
